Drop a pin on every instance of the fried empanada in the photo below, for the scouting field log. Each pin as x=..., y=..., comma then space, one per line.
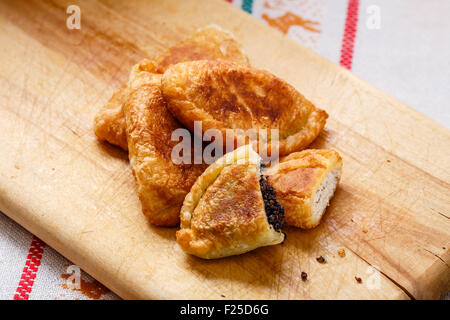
x=109, y=123
x=230, y=97
x=231, y=209
x=161, y=184
x=304, y=183
x=210, y=42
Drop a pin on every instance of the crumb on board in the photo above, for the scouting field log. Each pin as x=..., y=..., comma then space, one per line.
x=388, y=160
x=321, y=259
x=365, y=230
x=17, y=166
x=304, y=276
x=341, y=253
x=358, y=279
x=222, y=295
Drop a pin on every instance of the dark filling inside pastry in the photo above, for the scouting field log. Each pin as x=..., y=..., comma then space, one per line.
x=274, y=210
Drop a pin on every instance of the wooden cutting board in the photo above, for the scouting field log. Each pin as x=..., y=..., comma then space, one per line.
x=390, y=213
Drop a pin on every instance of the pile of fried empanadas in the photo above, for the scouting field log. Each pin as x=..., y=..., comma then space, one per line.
x=262, y=182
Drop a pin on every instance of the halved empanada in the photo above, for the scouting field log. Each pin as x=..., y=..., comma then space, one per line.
x=223, y=95
x=161, y=184
x=304, y=183
x=210, y=42
x=231, y=209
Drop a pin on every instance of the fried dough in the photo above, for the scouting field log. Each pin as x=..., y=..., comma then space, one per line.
x=161, y=184
x=109, y=123
x=304, y=183
x=210, y=42
x=231, y=97
x=224, y=214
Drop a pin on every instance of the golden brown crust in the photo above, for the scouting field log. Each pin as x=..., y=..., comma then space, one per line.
x=296, y=178
x=109, y=123
x=162, y=185
x=210, y=42
x=224, y=213
x=224, y=95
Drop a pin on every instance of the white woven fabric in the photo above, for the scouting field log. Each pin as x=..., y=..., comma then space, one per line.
x=407, y=56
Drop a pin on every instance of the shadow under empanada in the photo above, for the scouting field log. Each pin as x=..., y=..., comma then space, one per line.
x=258, y=268
x=112, y=150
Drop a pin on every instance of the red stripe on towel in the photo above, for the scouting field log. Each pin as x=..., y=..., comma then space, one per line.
x=348, y=42
x=31, y=268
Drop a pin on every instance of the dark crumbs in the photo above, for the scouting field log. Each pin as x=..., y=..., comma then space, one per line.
x=304, y=276
x=321, y=259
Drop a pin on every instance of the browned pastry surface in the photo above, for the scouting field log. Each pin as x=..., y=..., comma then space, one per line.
x=210, y=42
x=161, y=184
x=109, y=123
x=224, y=212
x=297, y=178
x=224, y=96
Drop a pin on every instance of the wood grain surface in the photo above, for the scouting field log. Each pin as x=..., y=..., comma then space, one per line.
x=390, y=213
